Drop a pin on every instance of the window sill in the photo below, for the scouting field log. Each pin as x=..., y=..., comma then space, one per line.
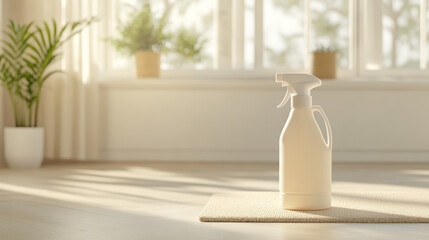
x=367, y=83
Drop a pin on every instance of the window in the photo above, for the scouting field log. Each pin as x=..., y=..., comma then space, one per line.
x=259, y=37
x=292, y=29
x=395, y=35
x=400, y=33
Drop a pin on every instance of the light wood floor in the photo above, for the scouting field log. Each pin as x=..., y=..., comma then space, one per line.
x=162, y=201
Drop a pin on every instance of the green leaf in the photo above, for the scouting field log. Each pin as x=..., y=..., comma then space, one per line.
x=42, y=37
x=62, y=30
x=32, y=56
x=26, y=34
x=75, y=25
x=9, y=54
x=39, y=44
x=54, y=24
x=10, y=36
x=48, y=75
x=48, y=32
x=9, y=45
x=34, y=49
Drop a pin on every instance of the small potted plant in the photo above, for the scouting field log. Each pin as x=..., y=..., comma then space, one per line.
x=325, y=63
x=28, y=52
x=144, y=37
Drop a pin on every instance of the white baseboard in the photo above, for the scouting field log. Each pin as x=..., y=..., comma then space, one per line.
x=188, y=155
x=257, y=155
x=381, y=156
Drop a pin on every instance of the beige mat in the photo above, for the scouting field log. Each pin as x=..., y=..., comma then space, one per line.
x=369, y=207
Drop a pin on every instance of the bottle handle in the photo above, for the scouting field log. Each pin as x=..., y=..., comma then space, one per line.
x=327, y=125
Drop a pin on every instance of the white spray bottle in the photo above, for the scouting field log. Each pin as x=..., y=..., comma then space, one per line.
x=305, y=155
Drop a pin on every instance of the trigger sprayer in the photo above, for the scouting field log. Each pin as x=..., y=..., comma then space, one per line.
x=299, y=86
x=305, y=156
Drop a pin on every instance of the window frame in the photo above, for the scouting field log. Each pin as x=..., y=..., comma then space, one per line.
x=370, y=12
x=229, y=56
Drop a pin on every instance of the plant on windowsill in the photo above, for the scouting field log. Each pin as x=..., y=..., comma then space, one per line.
x=189, y=45
x=146, y=38
x=27, y=54
x=325, y=63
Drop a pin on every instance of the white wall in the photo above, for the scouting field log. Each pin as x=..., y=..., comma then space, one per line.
x=238, y=120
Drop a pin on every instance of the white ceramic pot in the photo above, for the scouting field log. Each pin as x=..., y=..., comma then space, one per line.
x=23, y=146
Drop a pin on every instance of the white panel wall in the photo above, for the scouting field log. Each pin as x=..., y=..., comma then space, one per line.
x=238, y=120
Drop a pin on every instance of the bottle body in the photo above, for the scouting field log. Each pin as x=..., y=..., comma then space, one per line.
x=305, y=162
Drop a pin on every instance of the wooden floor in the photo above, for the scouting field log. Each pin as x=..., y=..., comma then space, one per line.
x=162, y=201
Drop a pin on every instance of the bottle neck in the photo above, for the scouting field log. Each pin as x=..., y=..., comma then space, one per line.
x=301, y=102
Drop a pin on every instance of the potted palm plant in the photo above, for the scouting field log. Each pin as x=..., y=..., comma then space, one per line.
x=27, y=54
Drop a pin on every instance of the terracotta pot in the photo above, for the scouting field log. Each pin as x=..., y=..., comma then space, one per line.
x=148, y=64
x=325, y=64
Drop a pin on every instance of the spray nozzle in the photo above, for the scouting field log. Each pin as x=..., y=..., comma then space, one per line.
x=299, y=84
x=289, y=90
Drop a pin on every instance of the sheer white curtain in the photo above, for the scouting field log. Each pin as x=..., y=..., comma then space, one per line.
x=69, y=102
